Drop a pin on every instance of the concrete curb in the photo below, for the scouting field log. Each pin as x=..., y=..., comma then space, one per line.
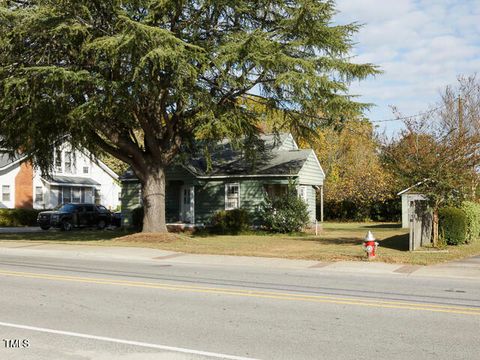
x=466, y=269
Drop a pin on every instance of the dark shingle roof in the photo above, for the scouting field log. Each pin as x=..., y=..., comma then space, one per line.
x=272, y=162
x=6, y=159
x=228, y=161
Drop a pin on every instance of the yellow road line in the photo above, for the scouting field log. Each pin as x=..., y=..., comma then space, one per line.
x=254, y=293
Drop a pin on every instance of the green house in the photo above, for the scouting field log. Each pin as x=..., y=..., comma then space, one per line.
x=194, y=194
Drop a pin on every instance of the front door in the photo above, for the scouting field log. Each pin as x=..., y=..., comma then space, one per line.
x=187, y=201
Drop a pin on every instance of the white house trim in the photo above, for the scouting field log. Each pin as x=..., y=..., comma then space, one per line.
x=100, y=163
x=290, y=136
x=318, y=163
x=13, y=163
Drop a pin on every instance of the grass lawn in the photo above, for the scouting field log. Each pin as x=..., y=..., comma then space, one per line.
x=338, y=241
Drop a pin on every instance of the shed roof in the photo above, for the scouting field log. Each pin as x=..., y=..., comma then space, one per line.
x=411, y=188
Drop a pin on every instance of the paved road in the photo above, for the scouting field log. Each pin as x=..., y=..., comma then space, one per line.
x=91, y=308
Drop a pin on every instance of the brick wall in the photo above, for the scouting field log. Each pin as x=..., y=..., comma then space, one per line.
x=24, y=187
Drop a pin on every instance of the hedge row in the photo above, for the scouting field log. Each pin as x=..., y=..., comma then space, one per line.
x=18, y=217
x=472, y=212
x=460, y=226
x=452, y=225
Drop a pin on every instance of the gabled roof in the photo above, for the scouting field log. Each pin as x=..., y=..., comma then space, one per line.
x=273, y=162
x=275, y=156
x=6, y=160
x=411, y=188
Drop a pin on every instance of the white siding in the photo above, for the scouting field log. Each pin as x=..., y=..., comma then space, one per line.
x=311, y=172
x=109, y=187
x=7, y=177
x=288, y=143
x=312, y=203
x=46, y=204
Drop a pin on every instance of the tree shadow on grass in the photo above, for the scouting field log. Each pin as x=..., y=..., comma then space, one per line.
x=397, y=242
x=336, y=241
x=384, y=226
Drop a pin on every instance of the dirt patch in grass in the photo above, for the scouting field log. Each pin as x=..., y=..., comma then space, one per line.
x=149, y=238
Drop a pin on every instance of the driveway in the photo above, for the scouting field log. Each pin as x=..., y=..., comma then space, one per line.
x=19, y=230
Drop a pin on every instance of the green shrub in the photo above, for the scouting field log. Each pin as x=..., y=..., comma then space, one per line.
x=18, y=217
x=452, y=225
x=230, y=221
x=285, y=214
x=472, y=212
x=137, y=218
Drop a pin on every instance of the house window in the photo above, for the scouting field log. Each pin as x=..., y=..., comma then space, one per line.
x=68, y=162
x=76, y=195
x=232, y=196
x=6, y=193
x=74, y=163
x=58, y=161
x=66, y=195
x=275, y=190
x=38, y=194
x=88, y=196
x=98, y=197
x=86, y=169
x=303, y=193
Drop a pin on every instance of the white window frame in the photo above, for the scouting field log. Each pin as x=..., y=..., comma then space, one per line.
x=97, y=197
x=6, y=195
x=303, y=193
x=39, y=195
x=58, y=161
x=228, y=186
x=74, y=198
x=68, y=162
x=69, y=199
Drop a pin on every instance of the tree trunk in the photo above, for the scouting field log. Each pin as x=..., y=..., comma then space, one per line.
x=153, y=195
x=435, y=227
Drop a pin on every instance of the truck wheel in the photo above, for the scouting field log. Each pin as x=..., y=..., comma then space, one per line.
x=66, y=225
x=44, y=227
x=101, y=224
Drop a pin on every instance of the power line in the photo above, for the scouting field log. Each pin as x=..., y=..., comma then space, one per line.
x=407, y=117
x=253, y=96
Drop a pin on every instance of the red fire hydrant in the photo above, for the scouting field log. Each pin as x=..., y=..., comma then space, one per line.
x=370, y=245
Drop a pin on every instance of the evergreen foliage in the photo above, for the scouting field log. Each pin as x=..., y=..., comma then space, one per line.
x=18, y=217
x=139, y=79
x=287, y=213
x=472, y=212
x=452, y=225
x=230, y=221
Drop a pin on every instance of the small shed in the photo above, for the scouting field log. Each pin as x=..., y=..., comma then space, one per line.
x=408, y=197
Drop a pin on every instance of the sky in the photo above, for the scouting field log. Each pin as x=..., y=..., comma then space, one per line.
x=421, y=46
